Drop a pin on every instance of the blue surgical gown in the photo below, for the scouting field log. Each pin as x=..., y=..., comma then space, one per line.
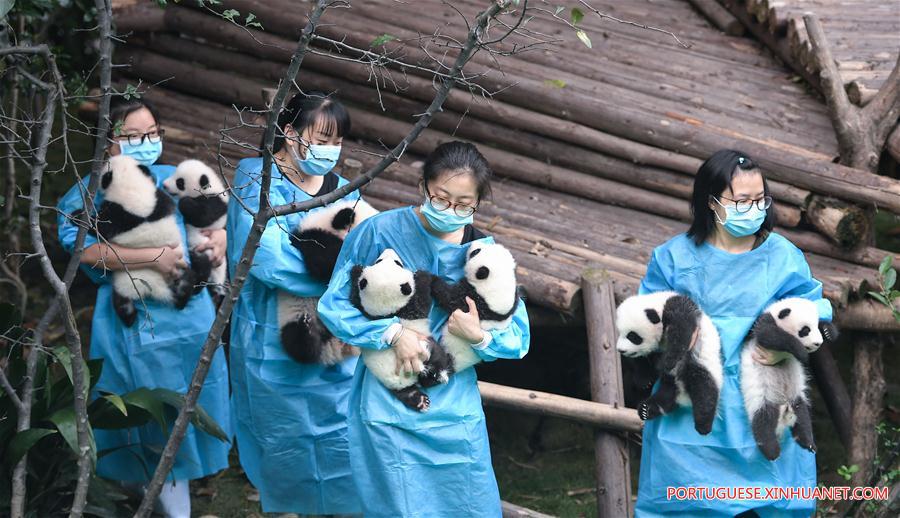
x=733, y=289
x=406, y=463
x=290, y=419
x=160, y=350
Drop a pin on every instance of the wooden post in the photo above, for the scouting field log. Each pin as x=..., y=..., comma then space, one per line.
x=834, y=392
x=613, y=467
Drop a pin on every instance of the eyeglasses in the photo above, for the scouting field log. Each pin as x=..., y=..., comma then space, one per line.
x=742, y=206
x=136, y=139
x=442, y=204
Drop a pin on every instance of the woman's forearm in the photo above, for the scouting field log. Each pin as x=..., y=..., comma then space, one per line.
x=112, y=257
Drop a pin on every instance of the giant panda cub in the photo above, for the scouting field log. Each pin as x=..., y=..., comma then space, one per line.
x=203, y=202
x=387, y=289
x=319, y=238
x=668, y=323
x=775, y=395
x=490, y=281
x=136, y=214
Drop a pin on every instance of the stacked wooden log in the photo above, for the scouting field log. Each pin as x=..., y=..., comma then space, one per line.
x=597, y=150
x=864, y=34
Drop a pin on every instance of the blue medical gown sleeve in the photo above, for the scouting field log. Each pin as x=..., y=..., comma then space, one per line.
x=71, y=205
x=800, y=283
x=512, y=342
x=277, y=263
x=336, y=311
x=660, y=272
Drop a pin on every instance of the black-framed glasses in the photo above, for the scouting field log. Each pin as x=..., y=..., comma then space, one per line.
x=742, y=206
x=136, y=139
x=442, y=204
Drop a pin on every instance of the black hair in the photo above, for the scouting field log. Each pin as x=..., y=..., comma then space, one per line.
x=713, y=177
x=120, y=108
x=459, y=157
x=304, y=109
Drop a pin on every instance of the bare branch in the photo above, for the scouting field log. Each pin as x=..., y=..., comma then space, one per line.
x=884, y=109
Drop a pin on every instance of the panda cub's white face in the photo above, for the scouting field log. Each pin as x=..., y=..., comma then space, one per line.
x=386, y=286
x=639, y=323
x=130, y=185
x=491, y=269
x=800, y=318
x=192, y=179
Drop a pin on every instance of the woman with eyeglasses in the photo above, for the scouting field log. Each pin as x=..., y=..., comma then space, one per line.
x=436, y=463
x=163, y=346
x=733, y=265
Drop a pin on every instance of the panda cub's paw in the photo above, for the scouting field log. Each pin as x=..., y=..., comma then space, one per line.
x=414, y=398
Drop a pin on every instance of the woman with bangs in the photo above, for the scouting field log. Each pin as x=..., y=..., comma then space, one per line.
x=290, y=418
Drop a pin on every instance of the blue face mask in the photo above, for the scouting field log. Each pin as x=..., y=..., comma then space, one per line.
x=742, y=224
x=319, y=161
x=146, y=153
x=444, y=221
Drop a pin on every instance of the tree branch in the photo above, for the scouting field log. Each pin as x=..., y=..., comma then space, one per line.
x=266, y=211
x=884, y=109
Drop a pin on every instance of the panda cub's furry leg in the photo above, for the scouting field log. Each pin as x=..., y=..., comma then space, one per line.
x=802, y=429
x=704, y=394
x=660, y=402
x=413, y=397
x=764, y=424
x=202, y=267
x=125, y=308
x=183, y=288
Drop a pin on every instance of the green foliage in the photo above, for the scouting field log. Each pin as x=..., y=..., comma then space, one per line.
x=555, y=83
x=52, y=440
x=847, y=472
x=381, y=40
x=887, y=280
x=575, y=16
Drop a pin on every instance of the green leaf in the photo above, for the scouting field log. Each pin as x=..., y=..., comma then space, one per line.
x=23, y=441
x=117, y=402
x=5, y=7
x=559, y=9
x=879, y=297
x=201, y=419
x=885, y=265
x=576, y=15
x=230, y=14
x=584, y=38
x=64, y=357
x=890, y=279
x=555, y=83
x=161, y=3
x=381, y=40
x=146, y=400
x=65, y=422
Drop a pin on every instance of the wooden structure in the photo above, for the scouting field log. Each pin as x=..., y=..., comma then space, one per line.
x=595, y=150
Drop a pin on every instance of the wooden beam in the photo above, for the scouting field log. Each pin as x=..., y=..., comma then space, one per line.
x=719, y=16
x=553, y=405
x=612, y=461
x=515, y=511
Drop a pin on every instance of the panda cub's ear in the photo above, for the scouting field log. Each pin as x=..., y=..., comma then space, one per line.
x=652, y=316
x=474, y=253
x=784, y=313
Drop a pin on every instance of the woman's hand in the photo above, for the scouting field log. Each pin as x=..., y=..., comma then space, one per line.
x=410, y=352
x=769, y=357
x=169, y=261
x=216, y=240
x=466, y=326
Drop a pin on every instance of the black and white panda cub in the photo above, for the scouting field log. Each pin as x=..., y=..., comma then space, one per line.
x=490, y=281
x=386, y=289
x=775, y=395
x=667, y=322
x=203, y=202
x=319, y=238
x=136, y=214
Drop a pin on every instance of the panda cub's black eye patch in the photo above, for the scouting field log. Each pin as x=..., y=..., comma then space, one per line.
x=204, y=181
x=784, y=313
x=106, y=180
x=474, y=253
x=378, y=261
x=180, y=184
x=804, y=331
x=482, y=273
x=362, y=284
x=405, y=288
x=652, y=316
x=398, y=263
x=634, y=338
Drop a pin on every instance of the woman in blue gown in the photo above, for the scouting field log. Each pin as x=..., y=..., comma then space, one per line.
x=290, y=418
x=733, y=265
x=437, y=463
x=162, y=347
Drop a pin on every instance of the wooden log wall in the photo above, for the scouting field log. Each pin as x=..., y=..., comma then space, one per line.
x=625, y=178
